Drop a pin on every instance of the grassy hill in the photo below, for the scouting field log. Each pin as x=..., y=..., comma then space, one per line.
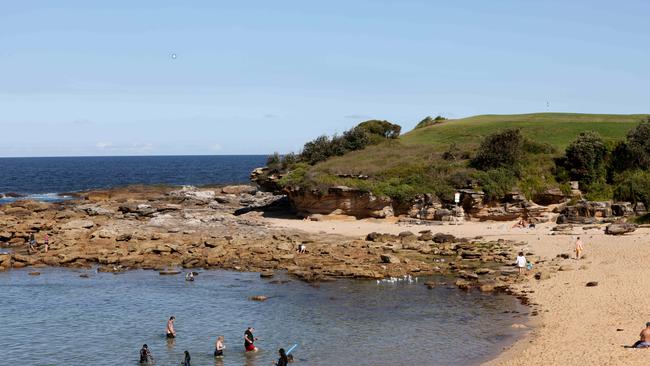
x=415, y=163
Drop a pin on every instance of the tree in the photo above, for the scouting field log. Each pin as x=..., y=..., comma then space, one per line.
x=502, y=149
x=383, y=129
x=586, y=157
x=638, y=143
x=356, y=139
x=316, y=150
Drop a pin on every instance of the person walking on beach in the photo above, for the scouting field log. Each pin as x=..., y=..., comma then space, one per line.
x=171, y=333
x=186, y=361
x=644, y=338
x=219, y=346
x=145, y=355
x=249, y=339
x=283, y=360
x=46, y=242
x=579, y=248
x=521, y=263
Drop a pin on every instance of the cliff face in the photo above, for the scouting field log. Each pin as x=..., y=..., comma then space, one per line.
x=340, y=201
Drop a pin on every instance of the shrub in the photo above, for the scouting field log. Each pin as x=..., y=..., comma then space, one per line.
x=496, y=183
x=295, y=177
x=316, y=150
x=356, y=139
x=428, y=121
x=586, y=158
x=289, y=160
x=501, y=149
x=635, y=152
x=599, y=191
x=273, y=161
x=634, y=186
x=383, y=129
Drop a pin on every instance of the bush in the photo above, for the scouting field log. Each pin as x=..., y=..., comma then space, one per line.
x=496, y=183
x=428, y=121
x=586, y=158
x=295, y=177
x=273, y=161
x=634, y=186
x=599, y=191
x=316, y=150
x=289, y=160
x=501, y=149
x=635, y=152
x=383, y=129
x=356, y=139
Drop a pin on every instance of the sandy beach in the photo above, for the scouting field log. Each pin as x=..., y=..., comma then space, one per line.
x=576, y=325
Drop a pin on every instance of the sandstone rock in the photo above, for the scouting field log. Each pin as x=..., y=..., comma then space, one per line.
x=443, y=238
x=567, y=267
x=340, y=200
x=78, y=224
x=463, y=284
x=239, y=189
x=430, y=285
x=388, y=258
x=34, y=273
x=622, y=209
x=258, y=298
x=94, y=210
x=266, y=274
x=619, y=228
x=284, y=246
x=542, y=275
x=592, y=284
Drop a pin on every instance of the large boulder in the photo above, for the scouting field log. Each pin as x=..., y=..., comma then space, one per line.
x=622, y=209
x=239, y=189
x=340, y=200
x=78, y=224
x=619, y=228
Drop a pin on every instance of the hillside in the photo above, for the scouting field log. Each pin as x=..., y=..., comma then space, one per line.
x=557, y=129
x=435, y=158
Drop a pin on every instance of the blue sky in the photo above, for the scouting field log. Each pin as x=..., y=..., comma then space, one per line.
x=98, y=78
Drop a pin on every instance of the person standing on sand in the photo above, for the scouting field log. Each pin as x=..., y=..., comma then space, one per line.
x=579, y=248
x=521, y=263
x=644, y=338
x=171, y=332
x=249, y=339
x=219, y=346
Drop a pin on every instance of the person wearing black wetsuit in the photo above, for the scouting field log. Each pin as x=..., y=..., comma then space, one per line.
x=186, y=361
x=145, y=355
x=283, y=360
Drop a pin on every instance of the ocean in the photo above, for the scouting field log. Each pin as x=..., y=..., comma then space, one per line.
x=48, y=178
x=58, y=318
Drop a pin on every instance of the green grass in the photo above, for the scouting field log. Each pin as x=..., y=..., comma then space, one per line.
x=557, y=129
x=414, y=152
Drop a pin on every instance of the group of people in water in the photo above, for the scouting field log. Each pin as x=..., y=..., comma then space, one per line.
x=146, y=358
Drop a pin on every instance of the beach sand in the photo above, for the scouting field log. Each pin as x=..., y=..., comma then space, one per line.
x=577, y=325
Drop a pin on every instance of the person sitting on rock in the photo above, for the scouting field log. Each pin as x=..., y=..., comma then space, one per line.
x=644, y=338
x=302, y=248
x=145, y=355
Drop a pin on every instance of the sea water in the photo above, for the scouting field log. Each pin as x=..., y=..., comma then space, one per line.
x=60, y=318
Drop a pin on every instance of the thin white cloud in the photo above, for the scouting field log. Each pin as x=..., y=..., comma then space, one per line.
x=104, y=145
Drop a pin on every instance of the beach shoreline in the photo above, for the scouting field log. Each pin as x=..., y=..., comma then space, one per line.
x=160, y=228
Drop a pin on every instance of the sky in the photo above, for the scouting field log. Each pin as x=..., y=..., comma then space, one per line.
x=157, y=77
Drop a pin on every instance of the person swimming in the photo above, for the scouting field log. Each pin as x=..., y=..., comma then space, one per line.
x=145, y=355
x=189, y=276
x=219, y=346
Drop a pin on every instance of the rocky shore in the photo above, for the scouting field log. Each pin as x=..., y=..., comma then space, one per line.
x=163, y=228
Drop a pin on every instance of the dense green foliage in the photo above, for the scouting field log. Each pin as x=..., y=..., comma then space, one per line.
x=586, y=158
x=428, y=121
x=496, y=154
x=634, y=186
x=500, y=149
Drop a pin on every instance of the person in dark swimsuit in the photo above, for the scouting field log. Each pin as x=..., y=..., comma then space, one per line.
x=145, y=355
x=249, y=339
x=186, y=361
x=283, y=360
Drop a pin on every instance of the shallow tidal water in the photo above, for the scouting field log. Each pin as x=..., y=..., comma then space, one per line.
x=58, y=318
